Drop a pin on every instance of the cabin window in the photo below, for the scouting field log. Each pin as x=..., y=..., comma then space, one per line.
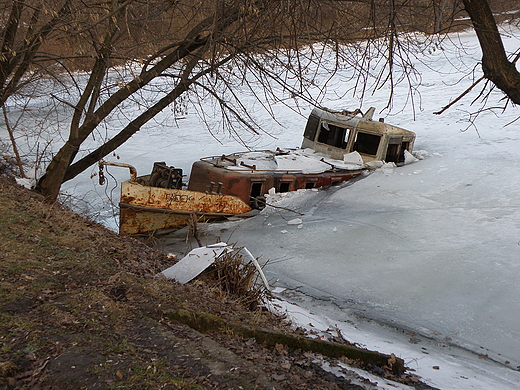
x=333, y=135
x=312, y=127
x=395, y=151
x=392, y=153
x=367, y=143
x=256, y=189
x=309, y=185
x=285, y=186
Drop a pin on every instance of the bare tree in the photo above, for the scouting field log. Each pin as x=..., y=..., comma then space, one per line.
x=208, y=48
x=24, y=29
x=249, y=37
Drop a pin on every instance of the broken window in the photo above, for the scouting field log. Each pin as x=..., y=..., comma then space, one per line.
x=367, y=143
x=256, y=189
x=333, y=135
x=392, y=153
x=396, y=148
x=312, y=127
x=285, y=186
x=256, y=197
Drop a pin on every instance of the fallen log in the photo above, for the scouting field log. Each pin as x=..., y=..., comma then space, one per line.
x=204, y=322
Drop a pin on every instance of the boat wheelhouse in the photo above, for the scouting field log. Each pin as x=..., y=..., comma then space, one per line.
x=338, y=133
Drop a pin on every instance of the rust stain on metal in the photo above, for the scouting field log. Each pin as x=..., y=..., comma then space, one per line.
x=145, y=208
x=135, y=221
x=133, y=171
x=181, y=200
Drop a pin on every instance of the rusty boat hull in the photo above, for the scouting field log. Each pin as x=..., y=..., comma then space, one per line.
x=216, y=190
x=144, y=208
x=230, y=175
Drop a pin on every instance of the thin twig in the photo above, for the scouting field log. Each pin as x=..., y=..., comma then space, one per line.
x=282, y=208
x=460, y=96
x=13, y=142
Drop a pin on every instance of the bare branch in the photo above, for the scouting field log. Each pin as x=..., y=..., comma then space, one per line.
x=459, y=97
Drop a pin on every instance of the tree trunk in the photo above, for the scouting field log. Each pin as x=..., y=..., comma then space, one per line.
x=134, y=126
x=49, y=185
x=495, y=64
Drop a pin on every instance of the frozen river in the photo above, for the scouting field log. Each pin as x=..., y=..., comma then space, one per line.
x=414, y=248
x=432, y=247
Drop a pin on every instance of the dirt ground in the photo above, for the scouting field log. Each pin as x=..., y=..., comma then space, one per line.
x=81, y=308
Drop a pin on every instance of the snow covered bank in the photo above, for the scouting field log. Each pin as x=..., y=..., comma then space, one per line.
x=437, y=363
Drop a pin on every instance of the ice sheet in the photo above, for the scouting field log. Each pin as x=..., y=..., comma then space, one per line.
x=432, y=247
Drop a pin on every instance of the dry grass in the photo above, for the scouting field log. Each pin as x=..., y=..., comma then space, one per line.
x=71, y=289
x=81, y=308
x=239, y=277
